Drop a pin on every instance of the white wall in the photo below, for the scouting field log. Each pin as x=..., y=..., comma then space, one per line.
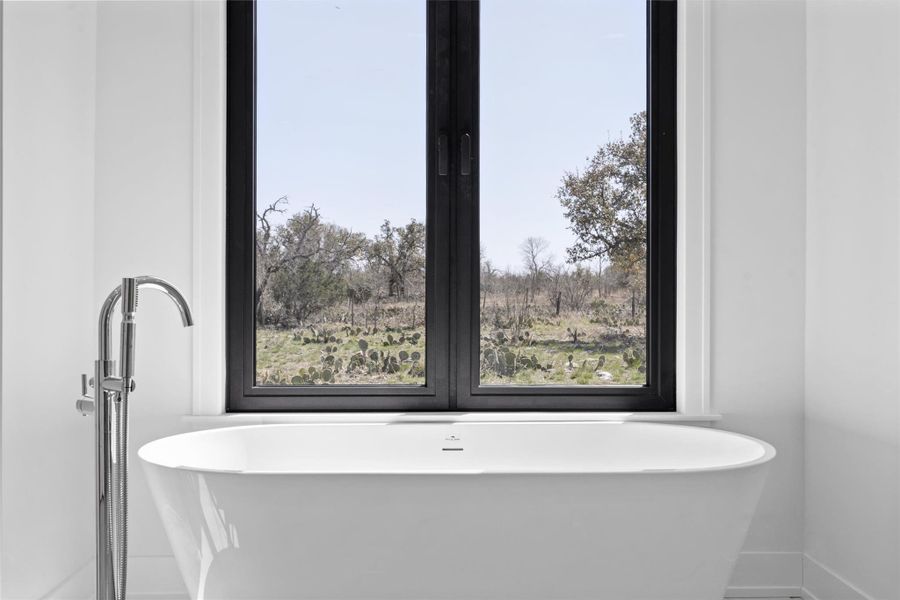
x=48, y=308
x=86, y=201
x=144, y=212
x=757, y=295
x=853, y=299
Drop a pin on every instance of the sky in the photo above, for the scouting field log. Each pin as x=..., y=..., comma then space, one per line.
x=341, y=108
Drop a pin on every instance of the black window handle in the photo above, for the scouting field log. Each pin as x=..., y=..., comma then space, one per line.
x=465, y=154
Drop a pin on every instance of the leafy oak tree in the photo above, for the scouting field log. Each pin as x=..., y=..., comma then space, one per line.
x=317, y=277
x=606, y=205
x=400, y=253
x=302, y=265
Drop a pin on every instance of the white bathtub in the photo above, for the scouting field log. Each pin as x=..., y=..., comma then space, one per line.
x=457, y=511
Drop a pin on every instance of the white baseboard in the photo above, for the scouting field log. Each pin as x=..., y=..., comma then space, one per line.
x=756, y=575
x=77, y=586
x=766, y=575
x=821, y=583
x=149, y=578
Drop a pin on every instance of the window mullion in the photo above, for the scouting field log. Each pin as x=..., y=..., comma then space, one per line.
x=439, y=212
x=465, y=200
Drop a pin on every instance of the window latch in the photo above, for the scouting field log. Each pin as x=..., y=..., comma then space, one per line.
x=465, y=154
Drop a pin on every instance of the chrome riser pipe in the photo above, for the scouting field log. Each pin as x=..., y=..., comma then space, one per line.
x=102, y=435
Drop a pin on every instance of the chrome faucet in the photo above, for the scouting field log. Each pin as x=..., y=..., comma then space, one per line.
x=110, y=410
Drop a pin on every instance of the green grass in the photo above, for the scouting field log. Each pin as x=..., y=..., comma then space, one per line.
x=551, y=344
x=283, y=354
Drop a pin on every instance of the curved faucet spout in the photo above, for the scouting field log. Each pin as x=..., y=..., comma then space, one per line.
x=106, y=311
x=187, y=319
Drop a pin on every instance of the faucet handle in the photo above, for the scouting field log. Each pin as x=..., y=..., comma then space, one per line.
x=85, y=383
x=85, y=406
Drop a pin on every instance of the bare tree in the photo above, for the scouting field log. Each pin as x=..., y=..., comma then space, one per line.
x=576, y=288
x=488, y=275
x=536, y=261
x=268, y=259
x=555, y=275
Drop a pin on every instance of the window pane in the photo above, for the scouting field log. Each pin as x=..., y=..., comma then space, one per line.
x=563, y=168
x=341, y=193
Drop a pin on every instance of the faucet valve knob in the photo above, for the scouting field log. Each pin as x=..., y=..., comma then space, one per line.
x=85, y=406
x=85, y=384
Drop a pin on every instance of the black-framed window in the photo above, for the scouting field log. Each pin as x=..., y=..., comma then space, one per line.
x=457, y=206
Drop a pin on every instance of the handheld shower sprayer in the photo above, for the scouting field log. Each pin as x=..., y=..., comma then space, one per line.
x=128, y=302
x=110, y=408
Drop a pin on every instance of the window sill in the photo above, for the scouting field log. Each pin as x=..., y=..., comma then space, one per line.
x=234, y=419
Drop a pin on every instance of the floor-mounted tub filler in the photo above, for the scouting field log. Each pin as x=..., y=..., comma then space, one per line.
x=457, y=511
x=109, y=405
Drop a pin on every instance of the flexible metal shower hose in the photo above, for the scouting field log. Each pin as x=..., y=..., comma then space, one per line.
x=117, y=495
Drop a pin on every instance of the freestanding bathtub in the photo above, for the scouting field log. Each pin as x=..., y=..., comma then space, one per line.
x=457, y=511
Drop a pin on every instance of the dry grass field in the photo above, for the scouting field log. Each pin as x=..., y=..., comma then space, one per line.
x=599, y=345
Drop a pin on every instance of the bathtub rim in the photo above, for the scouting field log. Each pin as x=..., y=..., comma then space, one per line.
x=769, y=452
